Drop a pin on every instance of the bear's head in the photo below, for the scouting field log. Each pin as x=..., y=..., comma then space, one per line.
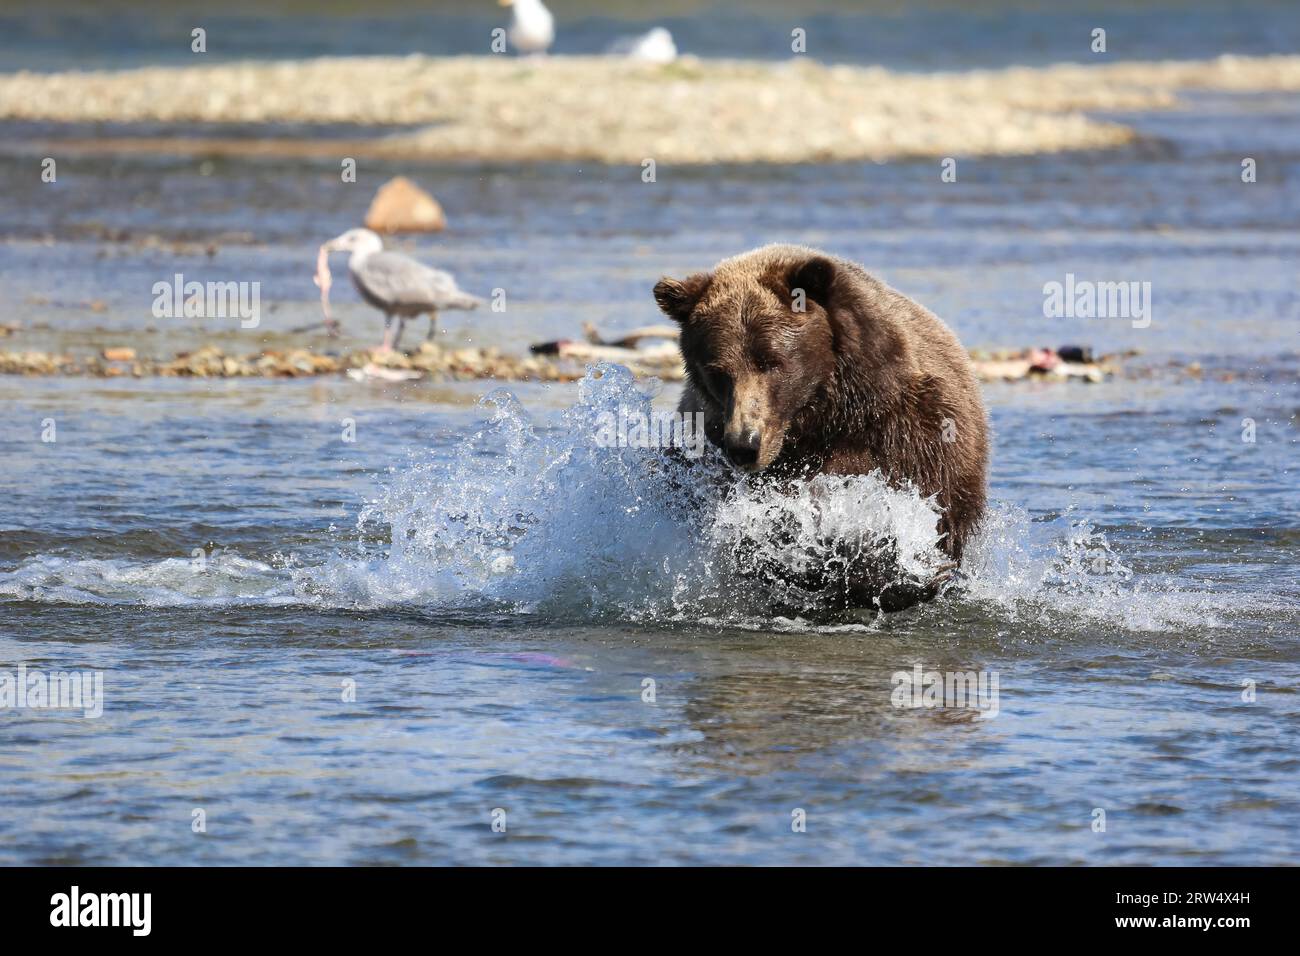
x=758, y=344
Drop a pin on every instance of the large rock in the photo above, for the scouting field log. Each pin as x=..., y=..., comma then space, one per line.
x=402, y=206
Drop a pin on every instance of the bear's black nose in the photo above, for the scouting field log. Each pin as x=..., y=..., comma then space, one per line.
x=743, y=451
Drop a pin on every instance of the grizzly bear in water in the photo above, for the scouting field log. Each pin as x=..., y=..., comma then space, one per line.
x=804, y=364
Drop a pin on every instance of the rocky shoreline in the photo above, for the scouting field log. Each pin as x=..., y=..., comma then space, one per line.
x=210, y=361
x=435, y=363
x=603, y=109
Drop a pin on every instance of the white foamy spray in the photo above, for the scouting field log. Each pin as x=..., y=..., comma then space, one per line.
x=548, y=522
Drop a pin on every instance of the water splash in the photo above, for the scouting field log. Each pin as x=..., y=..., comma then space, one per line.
x=552, y=523
x=220, y=579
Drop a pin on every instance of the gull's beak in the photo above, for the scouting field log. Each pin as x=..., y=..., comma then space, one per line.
x=334, y=245
x=505, y=3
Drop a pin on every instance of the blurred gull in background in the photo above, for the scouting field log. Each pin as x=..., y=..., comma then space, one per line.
x=532, y=28
x=395, y=284
x=655, y=46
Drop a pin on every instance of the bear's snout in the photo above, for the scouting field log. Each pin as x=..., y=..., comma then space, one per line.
x=749, y=440
x=742, y=448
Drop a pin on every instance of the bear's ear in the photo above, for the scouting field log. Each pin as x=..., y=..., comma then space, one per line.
x=677, y=297
x=815, y=277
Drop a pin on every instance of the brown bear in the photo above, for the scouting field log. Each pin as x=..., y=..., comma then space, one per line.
x=804, y=364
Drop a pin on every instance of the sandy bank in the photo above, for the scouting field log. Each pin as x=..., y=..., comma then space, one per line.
x=433, y=362
x=607, y=110
x=210, y=361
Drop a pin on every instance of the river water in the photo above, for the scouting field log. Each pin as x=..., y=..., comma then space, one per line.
x=366, y=651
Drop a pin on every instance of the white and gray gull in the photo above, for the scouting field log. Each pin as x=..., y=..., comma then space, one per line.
x=396, y=285
x=532, y=28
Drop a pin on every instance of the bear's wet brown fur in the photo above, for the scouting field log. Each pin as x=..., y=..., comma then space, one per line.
x=862, y=378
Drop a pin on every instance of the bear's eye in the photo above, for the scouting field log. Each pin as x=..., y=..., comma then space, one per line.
x=717, y=381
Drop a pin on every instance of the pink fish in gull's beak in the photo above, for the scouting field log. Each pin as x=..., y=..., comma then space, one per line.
x=322, y=279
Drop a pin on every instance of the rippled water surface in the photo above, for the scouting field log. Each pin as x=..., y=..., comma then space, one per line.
x=355, y=652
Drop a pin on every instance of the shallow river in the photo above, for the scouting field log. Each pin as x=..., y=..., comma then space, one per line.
x=226, y=559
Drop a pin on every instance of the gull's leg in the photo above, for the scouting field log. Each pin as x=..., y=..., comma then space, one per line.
x=401, y=325
x=389, y=338
x=433, y=325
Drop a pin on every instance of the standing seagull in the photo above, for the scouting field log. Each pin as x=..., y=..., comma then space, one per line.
x=532, y=28
x=397, y=285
